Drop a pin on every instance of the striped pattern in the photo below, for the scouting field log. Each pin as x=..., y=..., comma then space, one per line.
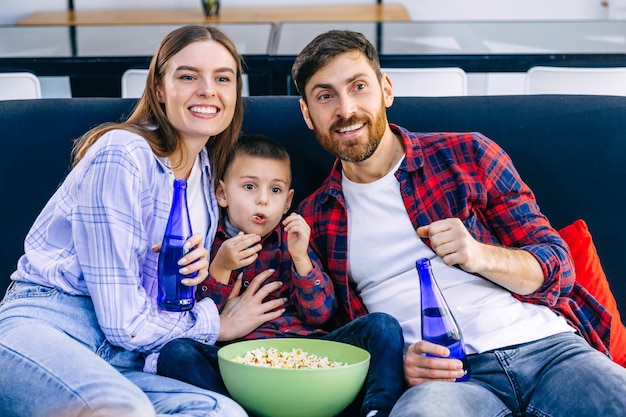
x=93, y=238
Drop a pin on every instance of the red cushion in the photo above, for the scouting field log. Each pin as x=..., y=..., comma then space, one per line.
x=590, y=275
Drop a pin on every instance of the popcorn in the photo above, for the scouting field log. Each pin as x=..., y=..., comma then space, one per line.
x=296, y=359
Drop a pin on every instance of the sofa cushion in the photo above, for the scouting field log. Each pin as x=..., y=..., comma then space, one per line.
x=589, y=274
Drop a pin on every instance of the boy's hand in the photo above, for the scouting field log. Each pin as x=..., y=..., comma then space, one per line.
x=298, y=235
x=235, y=253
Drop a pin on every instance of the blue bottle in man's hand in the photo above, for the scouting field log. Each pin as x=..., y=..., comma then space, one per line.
x=438, y=323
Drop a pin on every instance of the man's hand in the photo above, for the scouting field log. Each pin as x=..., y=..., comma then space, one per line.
x=452, y=242
x=514, y=269
x=419, y=368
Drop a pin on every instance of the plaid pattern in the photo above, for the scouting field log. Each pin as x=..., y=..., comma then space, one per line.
x=93, y=238
x=467, y=176
x=311, y=298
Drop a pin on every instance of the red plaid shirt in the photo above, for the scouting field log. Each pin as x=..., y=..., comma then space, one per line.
x=467, y=176
x=311, y=298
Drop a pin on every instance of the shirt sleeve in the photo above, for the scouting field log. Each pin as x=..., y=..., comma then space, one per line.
x=215, y=290
x=514, y=216
x=109, y=226
x=313, y=295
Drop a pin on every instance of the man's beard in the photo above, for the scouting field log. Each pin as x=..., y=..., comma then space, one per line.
x=353, y=150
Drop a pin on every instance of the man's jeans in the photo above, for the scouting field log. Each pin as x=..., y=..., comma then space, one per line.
x=381, y=336
x=55, y=362
x=559, y=376
x=378, y=333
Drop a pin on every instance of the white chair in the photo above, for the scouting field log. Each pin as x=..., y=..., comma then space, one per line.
x=134, y=82
x=428, y=82
x=19, y=85
x=576, y=80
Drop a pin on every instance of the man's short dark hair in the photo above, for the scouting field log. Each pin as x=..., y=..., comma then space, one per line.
x=325, y=47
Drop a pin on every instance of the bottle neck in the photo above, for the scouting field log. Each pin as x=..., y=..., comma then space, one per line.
x=431, y=296
x=179, y=223
x=179, y=195
x=424, y=272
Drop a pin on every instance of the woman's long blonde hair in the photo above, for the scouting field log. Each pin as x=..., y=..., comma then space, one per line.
x=150, y=113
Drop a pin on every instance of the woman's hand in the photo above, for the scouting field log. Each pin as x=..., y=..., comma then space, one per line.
x=197, y=259
x=420, y=368
x=244, y=313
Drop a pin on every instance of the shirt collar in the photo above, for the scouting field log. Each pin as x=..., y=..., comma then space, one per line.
x=204, y=162
x=228, y=230
x=413, y=161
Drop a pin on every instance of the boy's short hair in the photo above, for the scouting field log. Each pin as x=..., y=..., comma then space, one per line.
x=260, y=146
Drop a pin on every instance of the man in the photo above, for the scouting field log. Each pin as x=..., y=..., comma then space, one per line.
x=394, y=196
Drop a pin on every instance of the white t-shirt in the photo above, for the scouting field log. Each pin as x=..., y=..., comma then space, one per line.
x=382, y=249
x=198, y=207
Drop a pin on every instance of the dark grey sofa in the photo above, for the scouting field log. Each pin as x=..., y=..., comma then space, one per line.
x=570, y=149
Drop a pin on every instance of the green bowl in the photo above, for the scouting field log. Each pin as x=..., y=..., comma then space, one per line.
x=278, y=392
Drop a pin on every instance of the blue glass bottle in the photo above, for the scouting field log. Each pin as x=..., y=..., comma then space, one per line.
x=438, y=323
x=173, y=295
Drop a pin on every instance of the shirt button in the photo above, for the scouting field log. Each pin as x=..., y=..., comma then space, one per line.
x=317, y=282
x=246, y=283
x=204, y=288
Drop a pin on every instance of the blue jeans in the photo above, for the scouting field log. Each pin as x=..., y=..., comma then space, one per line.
x=378, y=333
x=559, y=376
x=56, y=362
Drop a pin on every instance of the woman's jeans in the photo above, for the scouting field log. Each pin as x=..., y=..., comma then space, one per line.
x=559, y=376
x=55, y=362
x=378, y=333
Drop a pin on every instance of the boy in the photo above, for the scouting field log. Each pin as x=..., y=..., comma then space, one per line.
x=254, y=195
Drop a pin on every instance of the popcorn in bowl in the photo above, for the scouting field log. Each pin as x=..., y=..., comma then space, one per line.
x=290, y=391
x=294, y=359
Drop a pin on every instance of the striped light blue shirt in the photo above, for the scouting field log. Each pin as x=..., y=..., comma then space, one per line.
x=93, y=238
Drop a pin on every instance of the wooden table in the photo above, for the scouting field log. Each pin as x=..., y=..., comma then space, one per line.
x=346, y=13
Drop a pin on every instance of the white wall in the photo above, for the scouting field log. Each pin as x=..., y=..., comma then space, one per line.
x=505, y=9
x=418, y=9
x=11, y=11
x=461, y=10
x=140, y=4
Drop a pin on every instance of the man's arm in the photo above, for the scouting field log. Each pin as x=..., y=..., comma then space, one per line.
x=512, y=229
x=514, y=269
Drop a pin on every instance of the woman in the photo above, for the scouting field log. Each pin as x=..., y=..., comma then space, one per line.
x=80, y=321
